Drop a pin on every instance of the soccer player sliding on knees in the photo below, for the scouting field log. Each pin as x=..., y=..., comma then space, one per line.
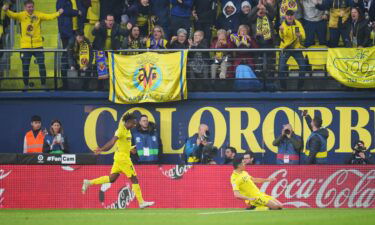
x=244, y=188
x=122, y=162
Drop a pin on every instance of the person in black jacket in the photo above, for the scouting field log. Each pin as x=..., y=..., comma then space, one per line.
x=198, y=61
x=360, y=155
x=316, y=144
x=359, y=31
x=68, y=23
x=204, y=13
x=108, y=34
x=180, y=41
x=80, y=56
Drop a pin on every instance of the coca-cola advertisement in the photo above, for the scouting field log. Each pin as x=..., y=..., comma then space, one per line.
x=185, y=186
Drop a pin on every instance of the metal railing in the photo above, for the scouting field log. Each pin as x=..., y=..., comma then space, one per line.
x=263, y=62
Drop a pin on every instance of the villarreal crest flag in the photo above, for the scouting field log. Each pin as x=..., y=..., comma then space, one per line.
x=147, y=77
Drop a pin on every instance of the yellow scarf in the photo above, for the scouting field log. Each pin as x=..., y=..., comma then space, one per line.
x=75, y=18
x=263, y=27
x=84, y=55
x=288, y=5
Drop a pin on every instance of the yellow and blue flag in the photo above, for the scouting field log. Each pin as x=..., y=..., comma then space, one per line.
x=353, y=67
x=147, y=77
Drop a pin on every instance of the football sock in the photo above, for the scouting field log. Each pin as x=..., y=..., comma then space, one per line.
x=138, y=193
x=100, y=180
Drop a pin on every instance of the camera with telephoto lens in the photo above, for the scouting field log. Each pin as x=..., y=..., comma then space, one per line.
x=208, y=153
x=205, y=137
x=359, y=147
x=287, y=131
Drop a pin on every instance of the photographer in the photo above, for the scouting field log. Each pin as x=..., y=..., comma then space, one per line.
x=289, y=146
x=198, y=148
x=359, y=155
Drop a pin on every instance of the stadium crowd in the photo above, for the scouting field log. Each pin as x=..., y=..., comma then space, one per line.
x=94, y=25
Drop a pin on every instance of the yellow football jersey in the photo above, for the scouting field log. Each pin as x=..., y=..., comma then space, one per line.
x=124, y=144
x=243, y=183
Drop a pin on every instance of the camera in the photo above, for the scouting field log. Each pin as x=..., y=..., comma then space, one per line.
x=208, y=153
x=287, y=131
x=205, y=137
x=359, y=147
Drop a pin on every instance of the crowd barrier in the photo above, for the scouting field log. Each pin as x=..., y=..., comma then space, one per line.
x=264, y=63
x=179, y=186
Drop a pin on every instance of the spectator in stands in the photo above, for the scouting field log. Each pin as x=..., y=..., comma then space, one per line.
x=68, y=23
x=157, y=39
x=315, y=22
x=221, y=59
x=31, y=37
x=292, y=35
x=339, y=13
x=245, y=10
x=370, y=9
x=249, y=158
x=229, y=19
x=34, y=139
x=242, y=39
x=282, y=6
x=108, y=34
x=316, y=144
x=204, y=14
x=359, y=31
x=147, y=141
x=91, y=15
x=180, y=15
x=360, y=154
x=140, y=13
x=372, y=34
x=80, y=56
x=289, y=146
x=113, y=7
x=230, y=154
x=55, y=142
x=161, y=10
x=194, y=145
x=260, y=18
x=180, y=41
x=198, y=61
x=134, y=40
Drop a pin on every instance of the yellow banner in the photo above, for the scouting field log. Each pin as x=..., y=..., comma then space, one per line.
x=353, y=67
x=147, y=77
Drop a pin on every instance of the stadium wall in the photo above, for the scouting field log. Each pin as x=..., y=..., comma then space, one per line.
x=199, y=186
x=242, y=120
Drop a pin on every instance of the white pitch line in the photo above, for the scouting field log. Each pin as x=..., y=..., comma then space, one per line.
x=212, y=213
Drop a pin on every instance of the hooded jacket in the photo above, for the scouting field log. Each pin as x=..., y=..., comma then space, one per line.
x=229, y=21
x=316, y=144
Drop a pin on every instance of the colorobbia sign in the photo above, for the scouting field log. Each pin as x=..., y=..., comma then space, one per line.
x=172, y=186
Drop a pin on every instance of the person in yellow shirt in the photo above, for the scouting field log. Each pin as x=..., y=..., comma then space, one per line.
x=292, y=34
x=244, y=187
x=31, y=37
x=122, y=162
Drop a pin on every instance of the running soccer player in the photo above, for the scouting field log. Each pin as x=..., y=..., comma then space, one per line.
x=122, y=162
x=244, y=188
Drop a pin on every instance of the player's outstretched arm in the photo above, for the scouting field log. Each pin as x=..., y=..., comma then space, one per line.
x=107, y=146
x=239, y=196
x=262, y=180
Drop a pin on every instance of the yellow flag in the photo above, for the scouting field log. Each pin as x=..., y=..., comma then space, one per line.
x=147, y=77
x=353, y=67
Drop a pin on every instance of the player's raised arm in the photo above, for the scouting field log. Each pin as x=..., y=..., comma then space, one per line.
x=262, y=180
x=239, y=196
x=107, y=146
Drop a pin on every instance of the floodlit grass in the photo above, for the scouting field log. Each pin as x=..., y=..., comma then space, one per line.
x=188, y=217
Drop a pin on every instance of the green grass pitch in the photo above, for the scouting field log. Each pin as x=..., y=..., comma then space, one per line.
x=188, y=217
